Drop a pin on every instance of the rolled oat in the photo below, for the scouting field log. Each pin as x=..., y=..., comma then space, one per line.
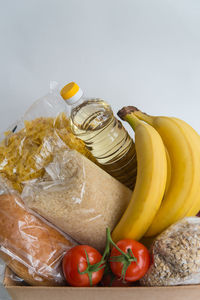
x=176, y=255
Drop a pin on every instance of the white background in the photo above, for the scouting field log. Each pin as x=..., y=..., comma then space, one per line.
x=130, y=52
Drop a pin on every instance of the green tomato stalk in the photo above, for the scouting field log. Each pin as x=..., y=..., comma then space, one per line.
x=125, y=258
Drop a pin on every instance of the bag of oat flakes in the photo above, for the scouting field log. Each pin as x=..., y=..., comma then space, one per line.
x=176, y=255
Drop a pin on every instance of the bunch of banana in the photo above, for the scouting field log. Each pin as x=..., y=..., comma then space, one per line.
x=181, y=196
x=150, y=182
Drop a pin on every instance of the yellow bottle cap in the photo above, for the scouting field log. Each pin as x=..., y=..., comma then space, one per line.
x=69, y=90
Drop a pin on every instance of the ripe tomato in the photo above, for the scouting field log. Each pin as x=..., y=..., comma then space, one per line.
x=79, y=259
x=126, y=267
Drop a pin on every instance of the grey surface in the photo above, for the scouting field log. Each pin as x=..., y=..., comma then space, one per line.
x=141, y=52
x=3, y=293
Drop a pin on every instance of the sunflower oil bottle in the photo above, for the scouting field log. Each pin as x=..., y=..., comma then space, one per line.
x=92, y=121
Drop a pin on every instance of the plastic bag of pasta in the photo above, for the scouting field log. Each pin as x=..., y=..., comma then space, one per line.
x=24, y=148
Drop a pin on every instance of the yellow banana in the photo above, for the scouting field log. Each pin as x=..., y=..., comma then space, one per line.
x=169, y=171
x=182, y=196
x=150, y=181
x=194, y=140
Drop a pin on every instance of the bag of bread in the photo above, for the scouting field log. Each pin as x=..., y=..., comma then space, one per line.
x=31, y=248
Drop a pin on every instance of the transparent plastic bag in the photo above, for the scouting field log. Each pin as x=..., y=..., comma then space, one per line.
x=24, y=147
x=30, y=247
x=77, y=196
x=176, y=255
x=49, y=106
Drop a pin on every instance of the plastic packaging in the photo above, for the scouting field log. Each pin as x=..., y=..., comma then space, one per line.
x=92, y=120
x=30, y=247
x=78, y=197
x=176, y=255
x=24, y=150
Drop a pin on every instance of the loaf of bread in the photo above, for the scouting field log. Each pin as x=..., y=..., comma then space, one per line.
x=31, y=248
x=78, y=197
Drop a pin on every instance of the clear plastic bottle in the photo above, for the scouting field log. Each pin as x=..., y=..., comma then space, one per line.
x=92, y=120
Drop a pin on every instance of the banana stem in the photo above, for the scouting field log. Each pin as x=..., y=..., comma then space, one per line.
x=131, y=114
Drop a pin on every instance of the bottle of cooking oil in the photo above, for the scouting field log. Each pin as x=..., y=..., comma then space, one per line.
x=92, y=121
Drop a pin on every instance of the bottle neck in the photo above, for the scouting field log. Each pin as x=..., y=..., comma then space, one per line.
x=72, y=106
x=76, y=103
